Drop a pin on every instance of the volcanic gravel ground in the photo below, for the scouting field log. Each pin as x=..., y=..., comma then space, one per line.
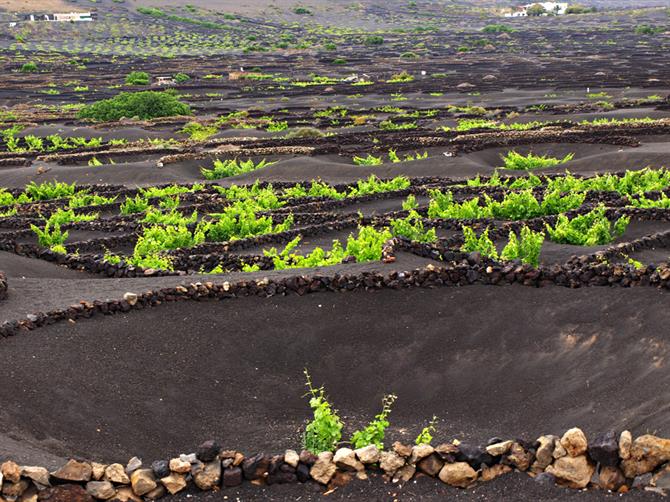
x=488, y=361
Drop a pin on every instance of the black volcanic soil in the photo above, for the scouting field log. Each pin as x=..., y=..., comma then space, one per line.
x=488, y=361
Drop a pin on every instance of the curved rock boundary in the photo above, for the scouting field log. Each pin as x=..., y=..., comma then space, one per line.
x=611, y=462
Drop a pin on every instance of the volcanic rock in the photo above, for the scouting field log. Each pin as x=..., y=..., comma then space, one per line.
x=15, y=490
x=161, y=468
x=255, y=467
x=232, y=477
x=610, y=478
x=404, y=474
x=324, y=468
x=345, y=459
x=116, y=474
x=175, y=482
x=11, y=471
x=65, y=493
x=431, y=465
x=180, y=466
x=142, y=481
x=133, y=464
x=489, y=473
x=498, y=449
x=208, y=451
x=574, y=442
x=646, y=453
x=368, y=454
x=544, y=454
x=625, y=444
x=420, y=451
x=459, y=474
x=208, y=475
x=574, y=472
x=97, y=471
x=292, y=458
x=604, y=449
x=74, y=471
x=402, y=449
x=38, y=474
x=101, y=489
x=390, y=462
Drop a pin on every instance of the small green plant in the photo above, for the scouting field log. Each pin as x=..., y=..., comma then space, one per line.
x=373, y=433
x=133, y=206
x=410, y=203
x=198, y=131
x=591, y=229
x=370, y=160
x=324, y=431
x=49, y=190
x=137, y=78
x=232, y=167
x=29, y=68
x=482, y=244
x=94, y=162
x=50, y=235
x=412, y=228
x=517, y=161
x=426, y=434
x=181, y=78
x=526, y=248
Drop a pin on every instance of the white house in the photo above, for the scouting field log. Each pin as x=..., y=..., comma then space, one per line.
x=61, y=17
x=551, y=8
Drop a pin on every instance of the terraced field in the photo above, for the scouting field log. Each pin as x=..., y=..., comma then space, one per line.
x=449, y=228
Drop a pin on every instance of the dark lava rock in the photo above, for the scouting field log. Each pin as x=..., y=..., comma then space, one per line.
x=604, y=448
x=302, y=472
x=474, y=456
x=161, y=468
x=308, y=458
x=64, y=493
x=546, y=479
x=430, y=465
x=208, y=451
x=232, y=477
x=254, y=467
x=640, y=482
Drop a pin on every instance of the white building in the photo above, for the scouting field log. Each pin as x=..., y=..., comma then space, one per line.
x=73, y=17
x=551, y=8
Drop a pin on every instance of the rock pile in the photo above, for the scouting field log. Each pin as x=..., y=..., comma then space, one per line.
x=610, y=462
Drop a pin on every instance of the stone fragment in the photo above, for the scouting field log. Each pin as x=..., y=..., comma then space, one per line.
x=404, y=474
x=339, y=480
x=232, y=477
x=38, y=474
x=545, y=478
x=459, y=474
x=430, y=465
x=30, y=495
x=116, y=474
x=489, y=473
x=126, y=494
x=14, y=490
x=420, y=451
x=255, y=467
x=11, y=471
x=74, y=471
x=102, y=490
x=368, y=454
x=345, y=459
x=97, y=471
x=142, y=481
x=574, y=442
x=604, y=449
x=574, y=472
x=519, y=457
x=174, y=483
x=324, y=468
x=161, y=468
x=208, y=475
x=544, y=454
x=473, y=455
x=498, y=449
x=190, y=458
x=292, y=458
x=180, y=466
x=65, y=493
x=156, y=493
x=447, y=452
x=559, y=451
x=308, y=458
x=646, y=453
x=402, y=449
x=302, y=473
x=610, y=478
x=133, y=464
x=208, y=451
x=642, y=481
x=130, y=298
x=390, y=462
x=625, y=444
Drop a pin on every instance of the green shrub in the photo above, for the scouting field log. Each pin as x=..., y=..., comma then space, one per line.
x=498, y=28
x=591, y=229
x=426, y=436
x=373, y=433
x=143, y=105
x=29, y=68
x=324, y=431
x=412, y=228
x=50, y=235
x=138, y=204
x=517, y=161
x=198, y=131
x=374, y=40
x=181, y=78
x=370, y=160
x=137, y=78
x=49, y=190
x=526, y=248
x=232, y=167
